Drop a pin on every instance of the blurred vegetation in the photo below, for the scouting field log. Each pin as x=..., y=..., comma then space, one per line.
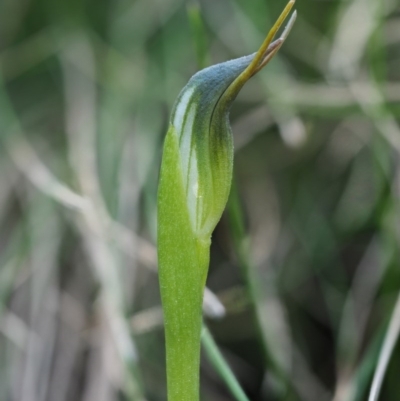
x=304, y=276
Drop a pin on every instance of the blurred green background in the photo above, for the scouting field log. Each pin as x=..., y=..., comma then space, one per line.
x=304, y=274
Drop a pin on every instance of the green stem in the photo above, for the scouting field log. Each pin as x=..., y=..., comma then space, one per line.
x=183, y=335
x=183, y=260
x=221, y=366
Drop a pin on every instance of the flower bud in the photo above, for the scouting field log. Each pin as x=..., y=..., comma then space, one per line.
x=200, y=120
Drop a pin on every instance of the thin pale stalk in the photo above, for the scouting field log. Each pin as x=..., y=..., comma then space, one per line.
x=221, y=366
